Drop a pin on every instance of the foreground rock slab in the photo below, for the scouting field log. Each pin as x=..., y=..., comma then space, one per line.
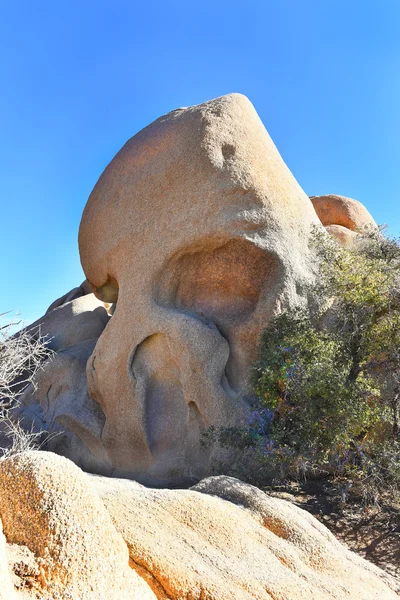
x=224, y=539
x=220, y=540
x=47, y=507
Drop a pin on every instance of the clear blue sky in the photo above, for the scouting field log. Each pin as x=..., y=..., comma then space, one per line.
x=79, y=78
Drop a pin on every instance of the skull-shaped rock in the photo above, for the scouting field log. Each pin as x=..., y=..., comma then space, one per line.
x=199, y=232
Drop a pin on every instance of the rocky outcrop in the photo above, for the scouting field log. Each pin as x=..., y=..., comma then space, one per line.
x=226, y=539
x=78, y=320
x=344, y=218
x=47, y=506
x=222, y=539
x=194, y=230
x=193, y=233
x=197, y=234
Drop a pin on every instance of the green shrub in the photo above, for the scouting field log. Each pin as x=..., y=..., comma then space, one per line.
x=328, y=375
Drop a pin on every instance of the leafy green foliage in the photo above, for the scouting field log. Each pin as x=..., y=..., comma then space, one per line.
x=328, y=375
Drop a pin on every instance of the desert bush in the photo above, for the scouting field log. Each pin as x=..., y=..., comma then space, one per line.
x=21, y=355
x=328, y=376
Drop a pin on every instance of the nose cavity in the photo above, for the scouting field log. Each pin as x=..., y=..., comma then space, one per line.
x=221, y=283
x=173, y=425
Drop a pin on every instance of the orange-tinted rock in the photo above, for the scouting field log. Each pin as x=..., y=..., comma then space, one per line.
x=345, y=237
x=339, y=210
x=47, y=506
x=226, y=539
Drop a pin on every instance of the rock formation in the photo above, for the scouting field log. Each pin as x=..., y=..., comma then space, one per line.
x=344, y=218
x=47, y=507
x=221, y=540
x=194, y=236
x=199, y=233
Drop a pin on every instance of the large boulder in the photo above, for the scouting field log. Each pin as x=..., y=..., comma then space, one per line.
x=47, y=506
x=199, y=232
x=226, y=539
x=344, y=218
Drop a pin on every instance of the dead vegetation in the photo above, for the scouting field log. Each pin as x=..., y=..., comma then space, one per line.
x=370, y=530
x=21, y=355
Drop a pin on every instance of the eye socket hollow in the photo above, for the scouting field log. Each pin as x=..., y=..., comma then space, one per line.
x=221, y=283
x=108, y=292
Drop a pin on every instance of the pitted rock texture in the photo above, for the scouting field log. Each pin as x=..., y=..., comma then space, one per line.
x=6, y=587
x=47, y=506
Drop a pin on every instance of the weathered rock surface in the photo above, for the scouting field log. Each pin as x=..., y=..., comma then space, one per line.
x=59, y=405
x=6, y=586
x=47, y=506
x=78, y=320
x=342, y=217
x=222, y=539
x=226, y=539
x=200, y=233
